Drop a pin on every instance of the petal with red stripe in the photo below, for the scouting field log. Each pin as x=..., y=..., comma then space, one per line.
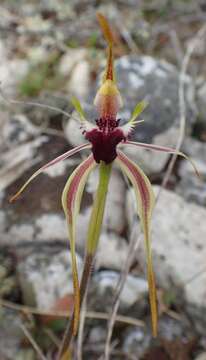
x=163, y=149
x=145, y=203
x=50, y=163
x=71, y=200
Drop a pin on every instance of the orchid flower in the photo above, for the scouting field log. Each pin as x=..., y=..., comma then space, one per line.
x=106, y=138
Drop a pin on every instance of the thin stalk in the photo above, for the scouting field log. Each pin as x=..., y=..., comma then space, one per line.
x=93, y=234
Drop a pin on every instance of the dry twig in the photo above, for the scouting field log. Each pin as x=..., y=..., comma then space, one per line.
x=134, y=243
x=33, y=342
x=65, y=314
x=182, y=106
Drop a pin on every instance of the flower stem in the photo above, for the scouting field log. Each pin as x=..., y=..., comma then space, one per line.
x=96, y=218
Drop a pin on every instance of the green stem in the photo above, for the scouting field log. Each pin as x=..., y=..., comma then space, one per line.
x=97, y=214
x=93, y=234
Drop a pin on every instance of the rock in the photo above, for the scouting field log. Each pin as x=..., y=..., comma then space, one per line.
x=79, y=83
x=18, y=130
x=197, y=151
x=179, y=249
x=8, y=283
x=46, y=114
x=37, y=216
x=114, y=219
x=10, y=336
x=73, y=132
x=27, y=354
x=136, y=341
x=70, y=59
x=97, y=335
x=156, y=81
x=17, y=160
x=75, y=66
x=190, y=186
x=103, y=286
x=10, y=77
x=112, y=252
x=193, y=190
x=56, y=230
x=201, y=101
x=45, y=277
x=35, y=24
x=153, y=162
x=201, y=356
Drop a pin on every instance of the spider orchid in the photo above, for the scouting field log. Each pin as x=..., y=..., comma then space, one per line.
x=105, y=139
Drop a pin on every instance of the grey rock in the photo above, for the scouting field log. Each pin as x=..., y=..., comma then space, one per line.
x=201, y=101
x=79, y=83
x=8, y=284
x=156, y=81
x=197, y=151
x=152, y=162
x=26, y=354
x=17, y=160
x=114, y=219
x=103, y=287
x=47, y=228
x=46, y=277
x=75, y=67
x=18, y=130
x=73, y=132
x=201, y=356
x=136, y=341
x=112, y=252
x=171, y=329
x=97, y=335
x=190, y=186
x=10, y=336
x=8, y=69
x=193, y=190
x=179, y=250
x=70, y=59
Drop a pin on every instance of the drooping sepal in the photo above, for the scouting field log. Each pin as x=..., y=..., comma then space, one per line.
x=145, y=203
x=71, y=200
x=49, y=164
x=163, y=149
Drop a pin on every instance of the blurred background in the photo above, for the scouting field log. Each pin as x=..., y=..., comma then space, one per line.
x=50, y=50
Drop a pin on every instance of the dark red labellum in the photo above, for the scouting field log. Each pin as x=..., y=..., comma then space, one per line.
x=105, y=139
